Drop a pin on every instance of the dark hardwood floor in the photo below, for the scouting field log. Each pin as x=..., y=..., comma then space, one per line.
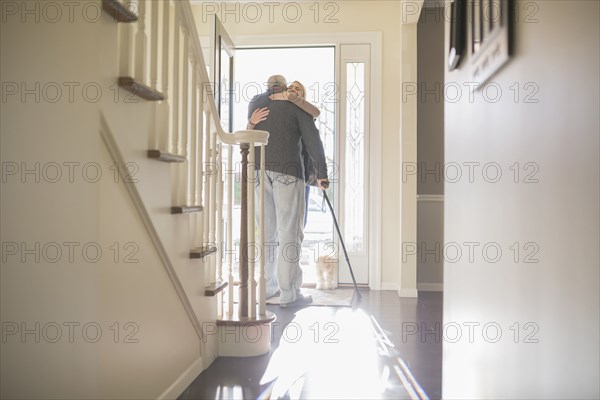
x=385, y=347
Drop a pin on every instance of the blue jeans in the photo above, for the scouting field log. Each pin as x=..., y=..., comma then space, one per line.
x=306, y=196
x=284, y=232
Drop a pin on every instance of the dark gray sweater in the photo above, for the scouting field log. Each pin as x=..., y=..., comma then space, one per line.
x=288, y=125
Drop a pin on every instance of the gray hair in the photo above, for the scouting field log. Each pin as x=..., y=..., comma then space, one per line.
x=276, y=81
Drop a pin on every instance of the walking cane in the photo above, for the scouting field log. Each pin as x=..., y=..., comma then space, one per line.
x=341, y=241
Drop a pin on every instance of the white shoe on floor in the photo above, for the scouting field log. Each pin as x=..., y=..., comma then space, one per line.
x=301, y=300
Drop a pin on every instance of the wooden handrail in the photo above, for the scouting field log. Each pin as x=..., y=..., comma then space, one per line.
x=244, y=136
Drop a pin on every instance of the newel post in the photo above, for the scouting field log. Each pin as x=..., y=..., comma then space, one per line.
x=243, y=298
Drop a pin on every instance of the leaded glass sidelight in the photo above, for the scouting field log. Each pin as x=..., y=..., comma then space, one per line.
x=355, y=157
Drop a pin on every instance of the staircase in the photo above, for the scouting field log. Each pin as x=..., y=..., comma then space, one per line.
x=161, y=61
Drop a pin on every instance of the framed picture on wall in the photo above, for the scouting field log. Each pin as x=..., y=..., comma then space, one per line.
x=490, y=37
x=458, y=31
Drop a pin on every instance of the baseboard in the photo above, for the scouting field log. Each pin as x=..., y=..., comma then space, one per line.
x=389, y=286
x=426, y=287
x=184, y=380
x=430, y=287
x=408, y=293
x=430, y=197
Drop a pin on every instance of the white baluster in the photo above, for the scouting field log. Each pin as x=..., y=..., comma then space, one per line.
x=140, y=44
x=154, y=29
x=207, y=174
x=167, y=29
x=200, y=171
x=153, y=46
x=251, y=235
x=199, y=238
x=207, y=204
x=229, y=255
x=213, y=200
x=184, y=90
x=183, y=188
x=193, y=155
x=127, y=49
x=219, y=225
x=200, y=140
x=174, y=145
x=262, y=283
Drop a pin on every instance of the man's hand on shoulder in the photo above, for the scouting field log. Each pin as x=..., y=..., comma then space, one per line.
x=259, y=115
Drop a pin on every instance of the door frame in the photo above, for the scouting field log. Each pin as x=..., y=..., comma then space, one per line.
x=221, y=41
x=374, y=39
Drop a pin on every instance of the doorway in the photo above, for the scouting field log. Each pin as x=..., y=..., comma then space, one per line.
x=349, y=96
x=253, y=67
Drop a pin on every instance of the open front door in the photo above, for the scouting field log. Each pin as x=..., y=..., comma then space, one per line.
x=222, y=55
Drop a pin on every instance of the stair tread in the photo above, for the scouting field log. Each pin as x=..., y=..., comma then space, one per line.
x=165, y=157
x=186, y=209
x=139, y=89
x=215, y=288
x=118, y=11
x=203, y=251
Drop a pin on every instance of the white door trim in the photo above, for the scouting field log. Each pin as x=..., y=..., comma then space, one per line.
x=375, y=156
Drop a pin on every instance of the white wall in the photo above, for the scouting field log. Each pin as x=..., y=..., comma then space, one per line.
x=430, y=103
x=556, y=50
x=430, y=241
x=77, y=208
x=430, y=148
x=408, y=197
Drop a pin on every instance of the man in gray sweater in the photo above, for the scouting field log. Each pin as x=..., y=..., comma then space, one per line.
x=287, y=125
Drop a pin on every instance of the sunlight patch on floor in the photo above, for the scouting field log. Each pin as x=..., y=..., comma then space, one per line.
x=344, y=355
